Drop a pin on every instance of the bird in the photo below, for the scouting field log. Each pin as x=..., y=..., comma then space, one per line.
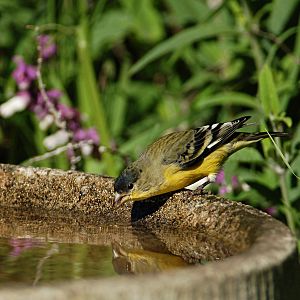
x=187, y=159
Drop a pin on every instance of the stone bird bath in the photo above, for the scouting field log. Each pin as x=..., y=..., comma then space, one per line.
x=258, y=262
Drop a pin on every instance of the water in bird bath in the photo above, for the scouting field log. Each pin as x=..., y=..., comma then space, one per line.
x=37, y=248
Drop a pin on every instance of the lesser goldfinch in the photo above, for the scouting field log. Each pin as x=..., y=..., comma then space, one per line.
x=185, y=159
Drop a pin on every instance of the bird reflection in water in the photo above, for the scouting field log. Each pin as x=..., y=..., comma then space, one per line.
x=138, y=261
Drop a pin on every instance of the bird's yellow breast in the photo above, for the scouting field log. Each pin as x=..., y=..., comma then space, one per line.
x=177, y=178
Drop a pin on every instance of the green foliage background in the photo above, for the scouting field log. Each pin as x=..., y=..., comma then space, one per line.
x=137, y=69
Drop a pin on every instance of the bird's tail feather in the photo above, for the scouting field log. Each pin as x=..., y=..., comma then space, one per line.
x=244, y=139
x=255, y=137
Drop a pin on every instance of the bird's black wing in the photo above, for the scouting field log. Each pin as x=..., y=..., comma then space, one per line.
x=194, y=145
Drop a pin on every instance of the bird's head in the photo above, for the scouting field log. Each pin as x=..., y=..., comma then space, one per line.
x=126, y=185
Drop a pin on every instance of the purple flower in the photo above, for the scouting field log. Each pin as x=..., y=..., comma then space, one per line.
x=79, y=135
x=47, y=47
x=235, y=182
x=54, y=95
x=70, y=115
x=220, y=178
x=86, y=135
x=40, y=107
x=272, y=210
x=23, y=74
x=223, y=190
x=226, y=188
x=82, y=135
x=92, y=134
x=70, y=153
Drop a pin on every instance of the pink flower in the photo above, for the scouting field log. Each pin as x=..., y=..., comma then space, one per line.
x=39, y=105
x=23, y=74
x=47, y=47
x=226, y=188
x=235, y=182
x=223, y=190
x=70, y=153
x=79, y=135
x=92, y=134
x=220, y=178
x=86, y=135
x=54, y=95
x=272, y=210
x=82, y=135
x=70, y=115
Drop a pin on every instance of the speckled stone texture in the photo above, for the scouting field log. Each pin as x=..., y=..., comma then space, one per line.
x=263, y=264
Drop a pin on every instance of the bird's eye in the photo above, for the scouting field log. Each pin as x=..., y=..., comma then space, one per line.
x=130, y=186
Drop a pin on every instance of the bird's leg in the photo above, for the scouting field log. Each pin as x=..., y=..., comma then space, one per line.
x=200, y=184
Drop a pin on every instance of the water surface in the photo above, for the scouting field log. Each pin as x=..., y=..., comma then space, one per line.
x=30, y=260
x=37, y=248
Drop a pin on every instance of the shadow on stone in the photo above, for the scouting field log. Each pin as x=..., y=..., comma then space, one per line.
x=145, y=208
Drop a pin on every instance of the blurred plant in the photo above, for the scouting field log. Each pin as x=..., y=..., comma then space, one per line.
x=272, y=211
x=47, y=46
x=234, y=187
x=47, y=107
x=19, y=245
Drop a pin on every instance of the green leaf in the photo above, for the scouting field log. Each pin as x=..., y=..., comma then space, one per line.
x=288, y=121
x=226, y=98
x=118, y=116
x=283, y=119
x=198, y=80
x=96, y=166
x=293, y=76
x=182, y=39
x=268, y=93
x=111, y=28
x=296, y=141
x=90, y=97
x=276, y=46
x=147, y=23
x=252, y=196
x=138, y=143
x=248, y=155
x=284, y=159
x=280, y=14
x=294, y=194
x=293, y=72
x=186, y=11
